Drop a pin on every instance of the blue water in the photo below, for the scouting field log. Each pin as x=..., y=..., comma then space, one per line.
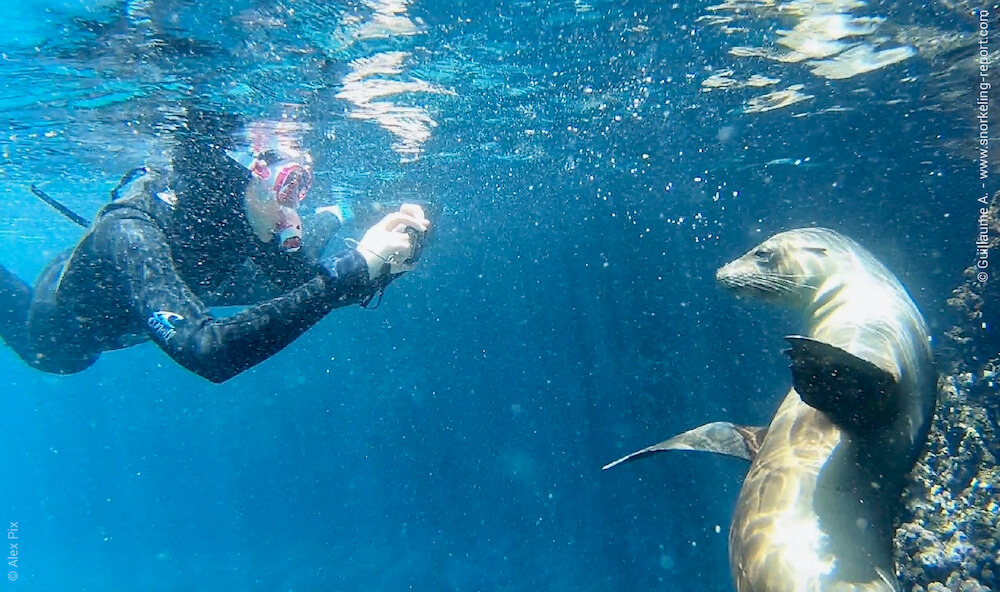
x=583, y=190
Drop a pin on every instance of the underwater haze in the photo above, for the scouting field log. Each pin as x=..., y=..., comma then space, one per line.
x=587, y=166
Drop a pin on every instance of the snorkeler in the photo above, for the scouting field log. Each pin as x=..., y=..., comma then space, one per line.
x=221, y=228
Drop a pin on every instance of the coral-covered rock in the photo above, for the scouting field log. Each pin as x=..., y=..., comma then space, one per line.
x=949, y=539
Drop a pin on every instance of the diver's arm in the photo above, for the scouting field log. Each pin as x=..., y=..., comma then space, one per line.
x=181, y=324
x=319, y=228
x=271, y=272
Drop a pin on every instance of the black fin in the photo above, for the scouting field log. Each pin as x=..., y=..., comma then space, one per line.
x=720, y=437
x=70, y=214
x=852, y=392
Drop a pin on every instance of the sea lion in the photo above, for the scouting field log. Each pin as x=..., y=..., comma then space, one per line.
x=815, y=512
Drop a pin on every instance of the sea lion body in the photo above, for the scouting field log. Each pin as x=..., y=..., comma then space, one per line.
x=816, y=509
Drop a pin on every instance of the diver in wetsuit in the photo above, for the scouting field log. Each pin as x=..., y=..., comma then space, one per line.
x=211, y=233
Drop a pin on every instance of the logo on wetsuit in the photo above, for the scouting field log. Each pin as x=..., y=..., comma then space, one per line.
x=162, y=323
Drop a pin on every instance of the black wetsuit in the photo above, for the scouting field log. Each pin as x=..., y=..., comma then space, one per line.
x=152, y=264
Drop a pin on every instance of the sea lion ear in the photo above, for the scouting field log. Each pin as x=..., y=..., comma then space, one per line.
x=816, y=250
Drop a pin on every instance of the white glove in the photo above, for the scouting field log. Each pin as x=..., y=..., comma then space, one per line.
x=387, y=242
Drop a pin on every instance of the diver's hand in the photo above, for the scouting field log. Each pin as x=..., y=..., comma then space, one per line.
x=388, y=245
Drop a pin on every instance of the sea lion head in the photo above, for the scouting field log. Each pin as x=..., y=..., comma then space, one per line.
x=789, y=266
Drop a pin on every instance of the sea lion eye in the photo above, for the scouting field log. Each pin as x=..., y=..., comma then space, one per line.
x=762, y=254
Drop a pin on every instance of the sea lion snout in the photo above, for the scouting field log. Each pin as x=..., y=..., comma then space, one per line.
x=744, y=277
x=723, y=274
x=730, y=274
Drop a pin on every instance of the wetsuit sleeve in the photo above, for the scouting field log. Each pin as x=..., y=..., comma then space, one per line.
x=180, y=323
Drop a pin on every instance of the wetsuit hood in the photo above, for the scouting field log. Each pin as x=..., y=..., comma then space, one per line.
x=210, y=192
x=209, y=187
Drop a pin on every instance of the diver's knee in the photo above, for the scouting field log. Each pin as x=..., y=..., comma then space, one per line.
x=59, y=359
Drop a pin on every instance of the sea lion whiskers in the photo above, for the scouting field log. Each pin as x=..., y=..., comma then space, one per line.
x=791, y=275
x=774, y=284
x=755, y=282
x=768, y=282
x=788, y=279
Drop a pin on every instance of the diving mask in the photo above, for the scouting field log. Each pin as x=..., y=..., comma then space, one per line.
x=291, y=180
x=273, y=204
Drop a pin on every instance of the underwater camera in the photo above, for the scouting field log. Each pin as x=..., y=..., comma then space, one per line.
x=418, y=239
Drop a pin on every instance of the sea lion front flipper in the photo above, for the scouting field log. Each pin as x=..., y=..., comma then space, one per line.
x=852, y=392
x=720, y=437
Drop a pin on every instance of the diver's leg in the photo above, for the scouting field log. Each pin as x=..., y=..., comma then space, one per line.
x=15, y=300
x=32, y=324
x=54, y=339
